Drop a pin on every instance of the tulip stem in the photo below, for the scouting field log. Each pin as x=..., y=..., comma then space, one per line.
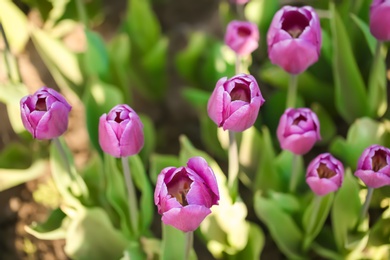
x=292, y=91
x=189, y=244
x=294, y=173
x=366, y=204
x=131, y=195
x=233, y=166
x=238, y=64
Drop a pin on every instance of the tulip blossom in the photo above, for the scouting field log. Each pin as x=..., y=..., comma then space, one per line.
x=324, y=174
x=242, y=37
x=294, y=38
x=185, y=195
x=298, y=130
x=235, y=102
x=45, y=113
x=380, y=19
x=374, y=166
x=121, y=132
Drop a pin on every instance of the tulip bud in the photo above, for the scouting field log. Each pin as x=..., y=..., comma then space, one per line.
x=45, y=113
x=380, y=19
x=325, y=174
x=121, y=132
x=185, y=195
x=374, y=166
x=294, y=38
x=298, y=130
x=242, y=37
x=235, y=103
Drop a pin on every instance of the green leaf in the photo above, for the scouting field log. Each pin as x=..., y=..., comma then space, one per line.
x=284, y=165
x=250, y=150
x=160, y=161
x=142, y=25
x=52, y=229
x=255, y=244
x=173, y=243
x=288, y=236
x=345, y=210
x=90, y=235
x=371, y=41
x=361, y=134
x=15, y=25
x=116, y=194
x=196, y=97
x=10, y=178
x=327, y=126
x=146, y=205
x=287, y=202
x=350, y=94
x=150, y=139
x=314, y=217
x=100, y=98
x=95, y=58
x=15, y=156
x=61, y=62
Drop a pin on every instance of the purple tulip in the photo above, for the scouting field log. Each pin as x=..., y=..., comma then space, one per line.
x=294, y=38
x=185, y=195
x=121, y=132
x=380, y=19
x=235, y=103
x=374, y=166
x=242, y=37
x=45, y=113
x=298, y=130
x=324, y=174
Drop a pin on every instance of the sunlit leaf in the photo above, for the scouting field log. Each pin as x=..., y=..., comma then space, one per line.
x=52, y=229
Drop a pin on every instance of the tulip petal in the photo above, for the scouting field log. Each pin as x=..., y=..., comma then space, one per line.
x=321, y=187
x=187, y=218
x=107, y=138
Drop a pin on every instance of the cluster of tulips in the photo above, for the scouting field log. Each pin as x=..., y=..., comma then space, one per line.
x=184, y=195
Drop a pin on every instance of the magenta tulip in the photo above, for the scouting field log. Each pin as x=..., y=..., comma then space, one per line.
x=121, y=132
x=294, y=38
x=325, y=174
x=242, y=37
x=185, y=195
x=45, y=113
x=374, y=166
x=298, y=130
x=380, y=19
x=235, y=102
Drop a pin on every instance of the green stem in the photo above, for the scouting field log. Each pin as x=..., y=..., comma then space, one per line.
x=292, y=91
x=131, y=195
x=240, y=12
x=189, y=243
x=82, y=13
x=366, y=204
x=294, y=174
x=238, y=64
x=233, y=166
x=11, y=65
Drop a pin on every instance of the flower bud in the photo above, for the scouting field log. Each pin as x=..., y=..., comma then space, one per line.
x=380, y=19
x=294, y=38
x=324, y=174
x=374, y=166
x=45, y=113
x=121, y=132
x=242, y=37
x=235, y=103
x=298, y=130
x=185, y=195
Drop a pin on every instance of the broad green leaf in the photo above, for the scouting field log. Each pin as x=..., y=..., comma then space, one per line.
x=142, y=25
x=365, y=29
x=209, y=135
x=187, y=60
x=99, y=99
x=267, y=176
x=12, y=177
x=287, y=236
x=350, y=94
x=141, y=180
x=361, y=134
x=160, y=161
x=90, y=235
x=253, y=248
x=15, y=25
x=286, y=164
x=61, y=62
x=345, y=210
x=173, y=243
x=314, y=217
x=250, y=151
x=95, y=58
x=287, y=202
x=327, y=126
x=52, y=229
x=117, y=195
x=15, y=156
x=134, y=252
x=196, y=97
